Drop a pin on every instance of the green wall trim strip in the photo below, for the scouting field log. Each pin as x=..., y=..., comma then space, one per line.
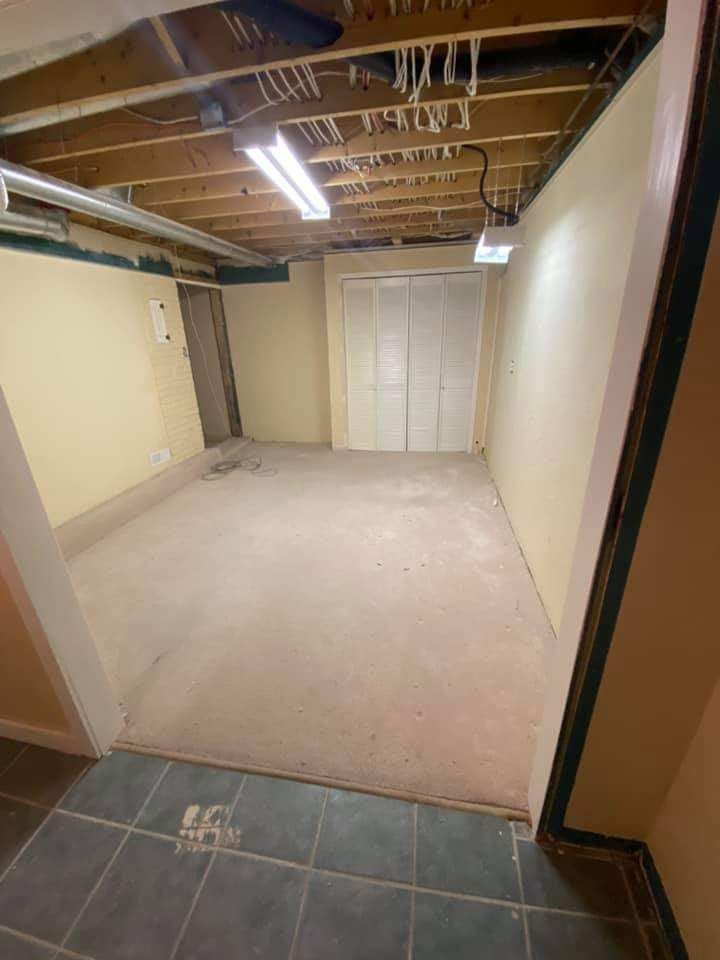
x=72, y=251
x=232, y=275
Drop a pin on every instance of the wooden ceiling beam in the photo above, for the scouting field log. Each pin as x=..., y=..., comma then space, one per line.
x=235, y=208
x=94, y=81
x=497, y=120
x=120, y=130
x=270, y=247
x=309, y=228
x=456, y=199
x=164, y=196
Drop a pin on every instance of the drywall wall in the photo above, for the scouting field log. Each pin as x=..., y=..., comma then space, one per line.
x=53, y=689
x=685, y=838
x=91, y=391
x=411, y=260
x=559, y=312
x=279, y=354
x=205, y=362
x=27, y=696
x=664, y=660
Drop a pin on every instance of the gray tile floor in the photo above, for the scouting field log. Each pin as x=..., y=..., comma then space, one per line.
x=136, y=858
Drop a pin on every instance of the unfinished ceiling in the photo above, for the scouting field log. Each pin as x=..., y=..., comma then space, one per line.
x=380, y=98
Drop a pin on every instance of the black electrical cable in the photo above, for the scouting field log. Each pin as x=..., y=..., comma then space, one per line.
x=511, y=218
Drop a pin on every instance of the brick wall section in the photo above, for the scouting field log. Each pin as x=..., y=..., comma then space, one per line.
x=175, y=387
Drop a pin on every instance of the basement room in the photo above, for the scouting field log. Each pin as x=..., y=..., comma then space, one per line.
x=309, y=310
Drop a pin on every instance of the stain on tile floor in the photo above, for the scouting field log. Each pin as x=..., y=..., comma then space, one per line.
x=137, y=858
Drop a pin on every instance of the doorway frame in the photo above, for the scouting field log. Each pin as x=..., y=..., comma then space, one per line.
x=420, y=272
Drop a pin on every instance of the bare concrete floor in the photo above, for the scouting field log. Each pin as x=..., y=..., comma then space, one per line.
x=359, y=616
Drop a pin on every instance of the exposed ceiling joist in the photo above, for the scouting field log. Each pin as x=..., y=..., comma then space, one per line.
x=455, y=200
x=82, y=85
x=511, y=153
x=529, y=118
x=123, y=131
x=320, y=228
x=235, y=208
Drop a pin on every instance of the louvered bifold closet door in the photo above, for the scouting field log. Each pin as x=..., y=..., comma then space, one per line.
x=457, y=406
x=391, y=311
x=359, y=297
x=424, y=361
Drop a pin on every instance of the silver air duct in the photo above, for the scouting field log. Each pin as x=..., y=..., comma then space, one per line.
x=31, y=222
x=39, y=186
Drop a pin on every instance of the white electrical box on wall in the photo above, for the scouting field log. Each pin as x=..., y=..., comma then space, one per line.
x=157, y=312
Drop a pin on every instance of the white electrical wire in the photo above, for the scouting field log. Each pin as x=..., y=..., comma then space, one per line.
x=474, y=56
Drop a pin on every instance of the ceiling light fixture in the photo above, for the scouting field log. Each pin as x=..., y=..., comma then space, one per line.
x=495, y=243
x=272, y=154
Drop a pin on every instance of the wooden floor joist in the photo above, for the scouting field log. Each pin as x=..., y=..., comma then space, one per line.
x=65, y=89
x=139, y=111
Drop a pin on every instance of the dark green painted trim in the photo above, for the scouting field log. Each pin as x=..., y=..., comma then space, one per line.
x=230, y=275
x=72, y=251
x=641, y=852
x=664, y=908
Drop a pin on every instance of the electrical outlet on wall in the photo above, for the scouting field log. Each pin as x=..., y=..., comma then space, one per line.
x=160, y=456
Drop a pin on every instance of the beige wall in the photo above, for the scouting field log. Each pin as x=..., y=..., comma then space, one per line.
x=91, y=391
x=559, y=312
x=27, y=696
x=685, y=838
x=381, y=261
x=665, y=656
x=279, y=353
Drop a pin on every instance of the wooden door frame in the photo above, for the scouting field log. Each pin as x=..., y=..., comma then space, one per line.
x=683, y=191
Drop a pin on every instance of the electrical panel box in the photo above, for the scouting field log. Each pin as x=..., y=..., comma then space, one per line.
x=157, y=313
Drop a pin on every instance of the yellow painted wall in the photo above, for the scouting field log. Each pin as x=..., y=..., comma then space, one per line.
x=685, y=838
x=559, y=312
x=400, y=259
x=279, y=353
x=90, y=390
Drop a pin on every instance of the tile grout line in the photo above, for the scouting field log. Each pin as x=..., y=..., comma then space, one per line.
x=14, y=760
x=36, y=831
x=633, y=906
x=120, y=848
x=311, y=862
x=521, y=885
x=186, y=922
x=366, y=878
x=413, y=879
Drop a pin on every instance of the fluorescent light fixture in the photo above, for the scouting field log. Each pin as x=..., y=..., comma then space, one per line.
x=485, y=254
x=279, y=164
x=495, y=243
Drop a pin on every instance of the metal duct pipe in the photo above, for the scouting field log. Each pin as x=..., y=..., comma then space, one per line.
x=33, y=223
x=39, y=186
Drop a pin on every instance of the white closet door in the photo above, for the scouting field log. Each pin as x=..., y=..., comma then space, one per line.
x=359, y=298
x=462, y=311
x=425, y=356
x=391, y=305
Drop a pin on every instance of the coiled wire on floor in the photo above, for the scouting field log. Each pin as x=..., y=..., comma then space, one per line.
x=252, y=465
